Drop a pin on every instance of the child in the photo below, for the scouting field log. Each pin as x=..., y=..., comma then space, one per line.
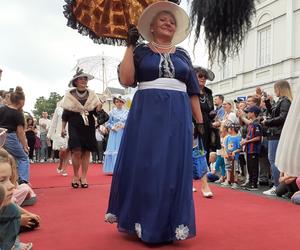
x=252, y=147
x=232, y=148
x=10, y=217
x=214, y=173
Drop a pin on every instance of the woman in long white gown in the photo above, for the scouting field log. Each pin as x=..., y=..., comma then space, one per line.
x=288, y=151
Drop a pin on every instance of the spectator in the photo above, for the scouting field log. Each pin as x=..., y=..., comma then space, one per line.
x=44, y=125
x=274, y=123
x=252, y=145
x=30, y=136
x=10, y=216
x=11, y=118
x=232, y=148
x=97, y=156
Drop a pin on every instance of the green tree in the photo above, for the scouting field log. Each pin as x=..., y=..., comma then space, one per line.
x=47, y=105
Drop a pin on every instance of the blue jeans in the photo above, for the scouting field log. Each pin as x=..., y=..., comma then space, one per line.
x=15, y=148
x=44, y=146
x=272, y=148
x=212, y=177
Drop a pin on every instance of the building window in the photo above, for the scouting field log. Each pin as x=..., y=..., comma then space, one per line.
x=264, y=46
x=227, y=69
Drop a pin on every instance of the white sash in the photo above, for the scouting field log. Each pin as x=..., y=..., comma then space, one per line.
x=163, y=83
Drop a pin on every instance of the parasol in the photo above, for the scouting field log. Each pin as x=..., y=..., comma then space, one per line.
x=104, y=21
x=103, y=68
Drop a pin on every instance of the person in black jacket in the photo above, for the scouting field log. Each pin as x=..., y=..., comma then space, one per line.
x=276, y=116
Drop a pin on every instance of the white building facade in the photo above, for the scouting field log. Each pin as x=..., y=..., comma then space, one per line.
x=271, y=52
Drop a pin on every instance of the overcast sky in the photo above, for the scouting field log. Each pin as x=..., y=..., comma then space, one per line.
x=39, y=52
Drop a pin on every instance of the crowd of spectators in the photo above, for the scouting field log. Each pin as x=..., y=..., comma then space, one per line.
x=250, y=129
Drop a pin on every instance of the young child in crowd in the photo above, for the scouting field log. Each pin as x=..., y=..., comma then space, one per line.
x=10, y=215
x=217, y=169
x=221, y=153
x=232, y=148
x=252, y=145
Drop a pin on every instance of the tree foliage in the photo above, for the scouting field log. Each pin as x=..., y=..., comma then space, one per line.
x=48, y=105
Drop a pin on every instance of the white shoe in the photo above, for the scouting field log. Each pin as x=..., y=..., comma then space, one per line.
x=207, y=194
x=225, y=184
x=271, y=192
x=218, y=181
x=31, y=161
x=194, y=189
x=42, y=161
x=64, y=173
x=234, y=186
x=58, y=170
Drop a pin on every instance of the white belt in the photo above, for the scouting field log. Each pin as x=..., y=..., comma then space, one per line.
x=163, y=83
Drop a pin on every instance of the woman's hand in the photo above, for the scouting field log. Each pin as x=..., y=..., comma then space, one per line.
x=132, y=36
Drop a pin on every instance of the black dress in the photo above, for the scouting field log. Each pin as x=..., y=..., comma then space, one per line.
x=81, y=137
x=207, y=105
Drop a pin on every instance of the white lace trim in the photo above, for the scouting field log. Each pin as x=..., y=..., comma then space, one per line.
x=182, y=232
x=111, y=218
x=138, y=229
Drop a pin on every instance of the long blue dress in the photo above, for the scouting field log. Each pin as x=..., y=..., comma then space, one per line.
x=116, y=117
x=151, y=191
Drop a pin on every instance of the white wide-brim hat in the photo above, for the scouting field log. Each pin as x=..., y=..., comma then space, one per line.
x=182, y=20
x=80, y=73
x=120, y=98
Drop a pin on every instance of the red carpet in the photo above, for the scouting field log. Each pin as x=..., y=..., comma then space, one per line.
x=73, y=219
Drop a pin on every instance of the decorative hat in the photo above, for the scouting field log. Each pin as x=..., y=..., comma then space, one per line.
x=209, y=75
x=182, y=20
x=79, y=73
x=120, y=98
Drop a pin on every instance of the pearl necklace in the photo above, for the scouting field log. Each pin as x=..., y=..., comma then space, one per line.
x=162, y=46
x=168, y=47
x=81, y=95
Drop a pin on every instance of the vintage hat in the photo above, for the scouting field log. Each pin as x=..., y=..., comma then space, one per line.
x=182, y=20
x=209, y=75
x=253, y=109
x=120, y=98
x=79, y=73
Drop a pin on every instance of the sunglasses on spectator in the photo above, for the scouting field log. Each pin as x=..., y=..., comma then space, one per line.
x=82, y=78
x=201, y=76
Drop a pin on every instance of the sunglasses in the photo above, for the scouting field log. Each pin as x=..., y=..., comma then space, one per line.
x=82, y=78
x=201, y=76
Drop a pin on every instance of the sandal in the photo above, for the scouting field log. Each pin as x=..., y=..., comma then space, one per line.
x=26, y=246
x=75, y=184
x=83, y=185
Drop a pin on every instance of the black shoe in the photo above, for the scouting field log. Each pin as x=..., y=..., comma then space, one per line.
x=83, y=185
x=22, y=181
x=252, y=188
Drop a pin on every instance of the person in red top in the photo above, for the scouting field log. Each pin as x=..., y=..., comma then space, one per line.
x=252, y=146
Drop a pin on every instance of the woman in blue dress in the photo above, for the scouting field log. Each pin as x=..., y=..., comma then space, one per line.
x=115, y=124
x=151, y=191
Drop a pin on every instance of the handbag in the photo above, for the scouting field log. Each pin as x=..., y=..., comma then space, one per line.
x=102, y=117
x=199, y=161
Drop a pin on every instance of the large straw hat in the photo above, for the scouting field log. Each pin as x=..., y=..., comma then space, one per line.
x=79, y=73
x=182, y=20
